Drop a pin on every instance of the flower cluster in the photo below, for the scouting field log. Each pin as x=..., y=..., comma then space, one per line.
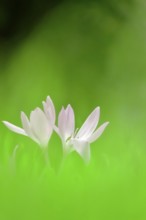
x=41, y=124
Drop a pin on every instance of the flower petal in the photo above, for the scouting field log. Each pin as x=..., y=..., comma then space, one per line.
x=40, y=126
x=56, y=129
x=70, y=121
x=62, y=122
x=83, y=149
x=27, y=127
x=66, y=122
x=14, y=128
x=49, y=109
x=98, y=133
x=89, y=125
x=25, y=123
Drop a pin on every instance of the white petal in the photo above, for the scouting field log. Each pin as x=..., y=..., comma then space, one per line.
x=70, y=121
x=49, y=109
x=40, y=126
x=89, y=125
x=83, y=149
x=62, y=122
x=97, y=133
x=56, y=129
x=66, y=122
x=25, y=123
x=27, y=127
x=14, y=128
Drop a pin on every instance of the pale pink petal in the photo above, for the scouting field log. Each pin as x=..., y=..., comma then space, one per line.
x=14, y=128
x=25, y=123
x=97, y=133
x=62, y=122
x=56, y=129
x=83, y=149
x=40, y=126
x=70, y=121
x=89, y=125
x=27, y=127
x=49, y=109
x=66, y=122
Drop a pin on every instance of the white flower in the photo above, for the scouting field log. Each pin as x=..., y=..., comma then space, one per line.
x=40, y=126
x=66, y=127
x=88, y=134
x=81, y=139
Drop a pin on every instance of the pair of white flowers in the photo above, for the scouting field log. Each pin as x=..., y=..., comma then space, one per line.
x=41, y=125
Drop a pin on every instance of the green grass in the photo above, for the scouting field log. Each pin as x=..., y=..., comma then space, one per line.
x=112, y=186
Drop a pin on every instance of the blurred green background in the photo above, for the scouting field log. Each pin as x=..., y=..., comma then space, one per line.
x=86, y=53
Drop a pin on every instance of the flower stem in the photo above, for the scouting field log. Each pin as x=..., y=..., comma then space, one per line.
x=46, y=157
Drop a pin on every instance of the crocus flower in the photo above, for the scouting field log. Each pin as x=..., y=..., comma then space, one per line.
x=78, y=140
x=66, y=127
x=88, y=134
x=38, y=128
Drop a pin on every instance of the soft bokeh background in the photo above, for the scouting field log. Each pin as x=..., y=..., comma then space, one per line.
x=88, y=54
